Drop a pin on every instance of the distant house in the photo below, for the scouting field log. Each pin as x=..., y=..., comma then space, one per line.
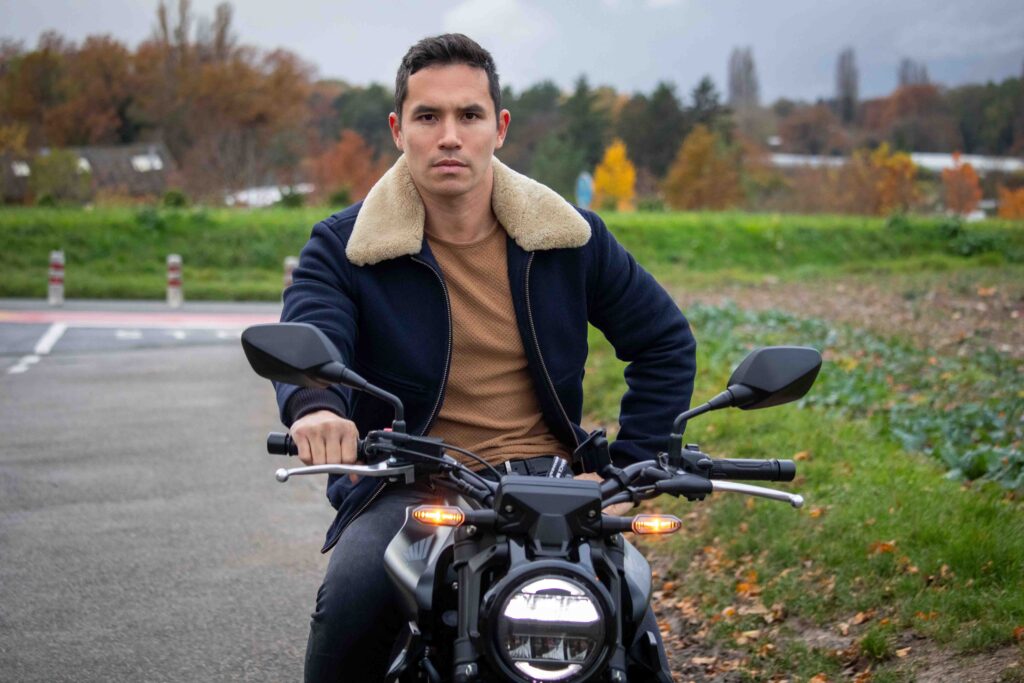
x=136, y=170
x=928, y=160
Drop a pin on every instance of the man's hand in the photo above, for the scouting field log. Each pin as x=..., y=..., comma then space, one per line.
x=617, y=509
x=325, y=438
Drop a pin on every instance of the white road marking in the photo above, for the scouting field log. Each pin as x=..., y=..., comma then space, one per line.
x=178, y=334
x=128, y=334
x=23, y=364
x=43, y=347
x=45, y=344
x=229, y=334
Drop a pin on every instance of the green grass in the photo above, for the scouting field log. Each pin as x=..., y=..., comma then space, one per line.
x=238, y=254
x=885, y=527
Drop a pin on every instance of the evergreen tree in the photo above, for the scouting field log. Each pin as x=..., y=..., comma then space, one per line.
x=586, y=126
x=847, y=86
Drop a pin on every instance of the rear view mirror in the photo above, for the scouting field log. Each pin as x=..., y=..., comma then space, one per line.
x=774, y=375
x=293, y=353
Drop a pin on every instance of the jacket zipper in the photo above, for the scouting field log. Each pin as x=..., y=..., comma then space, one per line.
x=448, y=357
x=543, y=366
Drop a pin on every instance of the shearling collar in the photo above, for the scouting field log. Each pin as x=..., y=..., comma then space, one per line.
x=390, y=222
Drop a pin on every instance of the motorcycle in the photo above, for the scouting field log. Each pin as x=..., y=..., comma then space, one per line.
x=524, y=578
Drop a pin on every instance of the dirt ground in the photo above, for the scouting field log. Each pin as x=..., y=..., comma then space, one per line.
x=950, y=313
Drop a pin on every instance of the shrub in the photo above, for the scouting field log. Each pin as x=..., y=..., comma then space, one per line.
x=174, y=199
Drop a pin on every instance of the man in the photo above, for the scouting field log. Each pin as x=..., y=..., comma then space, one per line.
x=466, y=289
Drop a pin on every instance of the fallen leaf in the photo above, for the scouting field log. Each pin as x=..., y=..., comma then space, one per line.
x=986, y=291
x=820, y=678
x=729, y=611
x=669, y=586
x=801, y=456
x=1018, y=634
x=816, y=512
x=843, y=628
x=861, y=617
x=703, y=661
x=902, y=652
x=879, y=547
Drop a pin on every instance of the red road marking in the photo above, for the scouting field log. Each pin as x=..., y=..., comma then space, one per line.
x=140, y=319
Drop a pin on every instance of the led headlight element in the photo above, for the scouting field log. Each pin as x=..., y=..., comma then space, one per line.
x=550, y=628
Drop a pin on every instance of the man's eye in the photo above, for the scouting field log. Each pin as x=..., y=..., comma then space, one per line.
x=426, y=117
x=471, y=115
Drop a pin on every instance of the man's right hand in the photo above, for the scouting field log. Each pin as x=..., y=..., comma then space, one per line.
x=325, y=438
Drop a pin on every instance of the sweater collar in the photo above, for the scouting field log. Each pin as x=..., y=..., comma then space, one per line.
x=390, y=221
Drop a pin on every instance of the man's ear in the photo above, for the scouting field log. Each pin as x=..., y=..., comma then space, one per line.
x=396, y=130
x=504, y=118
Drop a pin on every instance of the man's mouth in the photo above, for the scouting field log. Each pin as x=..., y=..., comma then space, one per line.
x=449, y=163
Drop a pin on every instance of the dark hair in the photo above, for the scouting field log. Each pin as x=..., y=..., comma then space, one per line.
x=450, y=48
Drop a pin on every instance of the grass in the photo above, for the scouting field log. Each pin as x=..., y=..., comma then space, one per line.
x=886, y=530
x=238, y=254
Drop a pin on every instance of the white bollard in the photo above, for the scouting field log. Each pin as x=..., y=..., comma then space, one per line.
x=55, y=293
x=175, y=297
x=290, y=263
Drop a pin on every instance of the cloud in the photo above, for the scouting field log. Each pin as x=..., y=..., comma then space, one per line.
x=503, y=22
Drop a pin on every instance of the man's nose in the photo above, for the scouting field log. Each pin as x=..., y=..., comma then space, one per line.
x=450, y=135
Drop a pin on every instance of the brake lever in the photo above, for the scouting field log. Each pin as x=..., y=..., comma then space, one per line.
x=381, y=469
x=794, y=499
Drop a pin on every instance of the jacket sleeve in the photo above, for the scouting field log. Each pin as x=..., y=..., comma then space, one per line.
x=647, y=331
x=320, y=294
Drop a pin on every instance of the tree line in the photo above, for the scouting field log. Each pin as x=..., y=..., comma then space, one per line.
x=234, y=115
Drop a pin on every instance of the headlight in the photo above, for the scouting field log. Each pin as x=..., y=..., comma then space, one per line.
x=550, y=628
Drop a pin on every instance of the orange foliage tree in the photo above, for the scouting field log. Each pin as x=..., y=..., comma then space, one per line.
x=1011, y=203
x=346, y=165
x=615, y=178
x=879, y=182
x=963, y=191
x=704, y=174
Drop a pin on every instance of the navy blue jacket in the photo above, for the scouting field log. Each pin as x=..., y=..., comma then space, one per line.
x=390, y=321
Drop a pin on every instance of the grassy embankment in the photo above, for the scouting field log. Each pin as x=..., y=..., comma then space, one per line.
x=235, y=254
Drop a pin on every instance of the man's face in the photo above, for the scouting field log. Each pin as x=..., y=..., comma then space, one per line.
x=448, y=129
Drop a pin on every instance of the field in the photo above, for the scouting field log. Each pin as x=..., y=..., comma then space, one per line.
x=907, y=562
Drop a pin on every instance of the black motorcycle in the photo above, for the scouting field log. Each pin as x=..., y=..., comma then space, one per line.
x=522, y=578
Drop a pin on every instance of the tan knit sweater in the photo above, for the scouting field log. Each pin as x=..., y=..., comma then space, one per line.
x=490, y=404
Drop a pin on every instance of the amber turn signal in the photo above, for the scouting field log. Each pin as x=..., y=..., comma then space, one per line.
x=439, y=515
x=656, y=524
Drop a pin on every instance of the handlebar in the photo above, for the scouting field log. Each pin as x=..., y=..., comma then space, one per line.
x=753, y=470
x=280, y=443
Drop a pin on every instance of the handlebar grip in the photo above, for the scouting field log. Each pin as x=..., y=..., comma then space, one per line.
x=753, y=470
x=279, y=443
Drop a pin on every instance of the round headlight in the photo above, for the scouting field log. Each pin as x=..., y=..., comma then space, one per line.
x=550, y=628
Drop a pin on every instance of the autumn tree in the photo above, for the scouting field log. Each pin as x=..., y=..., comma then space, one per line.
x=346, y=165
x=1011, y=203
x=615, y=178
x=704, y=174
x=812, y=130
x=847, y=85
x=879, y=182
x=961, y=186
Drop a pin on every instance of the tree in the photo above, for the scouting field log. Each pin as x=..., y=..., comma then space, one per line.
x=653, y=128
x=535, y=115
x=812, y=130
x=744, y=91
x=704, y=174
x=586, y=126
x=708, y=111
x=961, y=186
x=880, y=182
x=556, y=163
x=915, y=118
x=348, y=164
x=365, y=110
x=615, y=178
x=911, y=73
x=1011, y=203
x=58, y=177
x=847, y=86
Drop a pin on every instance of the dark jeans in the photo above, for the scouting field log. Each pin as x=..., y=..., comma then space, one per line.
x=358, y=613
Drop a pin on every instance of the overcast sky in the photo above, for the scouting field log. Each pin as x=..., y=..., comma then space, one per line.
x=628, y=44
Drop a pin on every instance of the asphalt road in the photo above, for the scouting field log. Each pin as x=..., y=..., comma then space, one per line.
x=142, y=534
